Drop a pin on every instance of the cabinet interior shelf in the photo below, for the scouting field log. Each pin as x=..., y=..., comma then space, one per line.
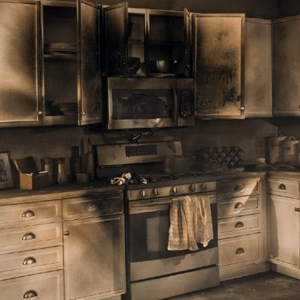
x=61, y=56
x=165, y=43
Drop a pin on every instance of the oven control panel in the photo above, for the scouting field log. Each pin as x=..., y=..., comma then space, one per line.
x=172, y=190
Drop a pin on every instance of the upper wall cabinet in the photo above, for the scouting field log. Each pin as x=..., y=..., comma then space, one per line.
x=71, y=78
x=258, y=68
x=219, y=65
x=50, y=63
x=286, y=70
x=146, y=43
x=19, y=61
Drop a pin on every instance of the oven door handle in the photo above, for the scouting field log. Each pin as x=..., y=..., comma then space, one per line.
x=151, y=204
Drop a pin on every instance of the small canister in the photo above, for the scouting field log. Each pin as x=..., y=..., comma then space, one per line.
x=290, y=151
x=275, y=151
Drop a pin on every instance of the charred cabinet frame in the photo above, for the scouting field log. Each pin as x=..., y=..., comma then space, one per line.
x=219, y=65
x=134, y=40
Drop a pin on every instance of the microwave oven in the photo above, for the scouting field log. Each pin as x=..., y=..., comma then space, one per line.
x=150, y=102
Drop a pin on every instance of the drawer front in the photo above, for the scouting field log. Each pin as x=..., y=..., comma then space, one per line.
x=92, y=206
x=238, y=206
x=29, y=237
x=238, y=187
x=239, y=250
x=30, y=213
x=281, y=187
x=239, y=225
x=47, y=286
x=30, y=262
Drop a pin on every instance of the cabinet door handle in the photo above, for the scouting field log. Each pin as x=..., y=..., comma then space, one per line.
x=30, y=294
x=238, y=205
x=29, y=261
x=239, y=251
x=239, y=188
x=239, y=224
x=297, y=209
x=282, y=187
x=92, y=206
x=28, y=214
x=67, y=232
x=28, y=236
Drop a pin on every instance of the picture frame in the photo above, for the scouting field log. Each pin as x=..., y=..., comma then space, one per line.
x=6, y=179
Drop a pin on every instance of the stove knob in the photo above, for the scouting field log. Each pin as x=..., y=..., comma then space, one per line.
x=204, y=186
x=193, y=187
x=155, y=192
x=143, y=193
x=174, y=189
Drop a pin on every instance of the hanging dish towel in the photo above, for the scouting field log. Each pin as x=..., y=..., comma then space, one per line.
x=181, y=231
x=202, y=217
x=190, y=222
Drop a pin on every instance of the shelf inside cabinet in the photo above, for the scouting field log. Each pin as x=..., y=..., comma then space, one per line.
x=61, y=56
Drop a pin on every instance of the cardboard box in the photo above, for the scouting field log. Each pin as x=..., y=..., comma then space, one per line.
x=29, y=176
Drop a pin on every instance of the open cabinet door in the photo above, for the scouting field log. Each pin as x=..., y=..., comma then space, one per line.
x=187, y=38
x=116, y=31
x=219, y=64
x=89, y=88
x=20, y=48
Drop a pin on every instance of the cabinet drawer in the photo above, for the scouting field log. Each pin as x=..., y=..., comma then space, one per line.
x=239, y=250
x=47, y=286
x=238, y=187
x=238, y=225
x=282, y=187
x=28, y=237
x=28, y=213
x=30, y=262
x=92, y=206
x=238, y=206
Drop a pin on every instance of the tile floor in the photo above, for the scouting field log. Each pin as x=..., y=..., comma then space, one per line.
x=264, y=286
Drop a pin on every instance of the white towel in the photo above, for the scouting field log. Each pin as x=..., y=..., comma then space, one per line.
x=190, y=222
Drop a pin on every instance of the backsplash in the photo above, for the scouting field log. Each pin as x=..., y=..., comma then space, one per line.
x=57, y=141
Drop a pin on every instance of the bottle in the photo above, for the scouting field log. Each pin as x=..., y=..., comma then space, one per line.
x=61, y=172
x=75, y=163
x=90, y=160
x=47, y=166
x=83, y=156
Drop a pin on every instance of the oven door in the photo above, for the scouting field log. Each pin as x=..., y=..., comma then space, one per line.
x=150, y=103
x=149, y=230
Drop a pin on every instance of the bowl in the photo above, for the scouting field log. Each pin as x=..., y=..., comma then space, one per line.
x=134, y=63
x=162, y=66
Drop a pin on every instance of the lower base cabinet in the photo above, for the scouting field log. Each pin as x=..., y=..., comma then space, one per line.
x=46, y=286
x=94, y=258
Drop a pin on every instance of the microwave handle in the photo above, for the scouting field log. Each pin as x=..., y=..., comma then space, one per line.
x=175, y=103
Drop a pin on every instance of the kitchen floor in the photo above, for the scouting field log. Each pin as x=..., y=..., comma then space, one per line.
x=264, y=286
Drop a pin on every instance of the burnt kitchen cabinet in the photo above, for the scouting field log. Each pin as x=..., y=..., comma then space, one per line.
x=219, y=65
x=286, y=74
x=50, y=60
x=146, y=42
x=258, y=68
x=71, y=78
x=19, y=59
x=94, y=246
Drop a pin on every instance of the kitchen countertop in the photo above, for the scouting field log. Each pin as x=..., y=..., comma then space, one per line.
x=58, y=192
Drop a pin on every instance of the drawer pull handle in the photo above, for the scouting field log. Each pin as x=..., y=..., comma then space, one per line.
x=282, y=187
x=67, y=232
x=239, y=188
x=92, y=206
x=29, y=261
x=238, y=205
x=28, y=236
x=239, y=224
x=240, y=251
x=30, y=294
x=28, y=214
x=297, y=209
